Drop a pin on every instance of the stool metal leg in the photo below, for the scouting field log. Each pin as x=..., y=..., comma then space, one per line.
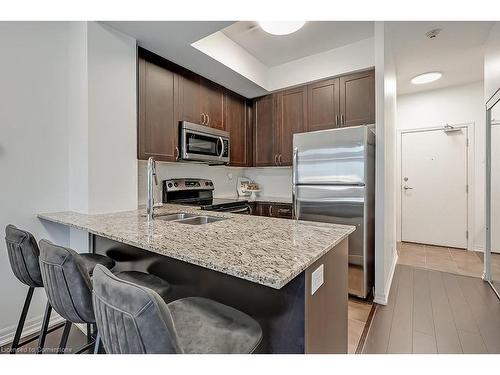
x=44, y=329
x=64, y=337
x=22, y=319
x=97, y=344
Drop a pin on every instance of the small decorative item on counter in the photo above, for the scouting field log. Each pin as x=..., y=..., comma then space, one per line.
x=253, y=188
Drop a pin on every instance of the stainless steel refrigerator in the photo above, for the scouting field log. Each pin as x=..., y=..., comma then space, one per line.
x=334, y=182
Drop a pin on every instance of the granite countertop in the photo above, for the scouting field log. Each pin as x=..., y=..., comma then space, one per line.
x=267, y=251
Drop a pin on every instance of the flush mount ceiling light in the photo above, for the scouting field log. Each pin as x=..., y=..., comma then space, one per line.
x=426, y=78
x=281, y=27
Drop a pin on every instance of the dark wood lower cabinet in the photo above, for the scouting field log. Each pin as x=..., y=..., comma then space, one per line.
x=279, y=210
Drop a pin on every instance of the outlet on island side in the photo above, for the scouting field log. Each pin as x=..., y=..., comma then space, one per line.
x=317, y=279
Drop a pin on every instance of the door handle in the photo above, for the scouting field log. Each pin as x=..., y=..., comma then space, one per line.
x=276, y=159
x=407, y=188
x=203, y=119
x=341, y=119
x=208, y=119
x=279, y=159
x=176, y=153
x=336, y=120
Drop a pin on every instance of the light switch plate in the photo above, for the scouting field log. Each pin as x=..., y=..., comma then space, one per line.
x=317, y=279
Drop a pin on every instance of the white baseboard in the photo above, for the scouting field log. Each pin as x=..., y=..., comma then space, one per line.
x=382, y=299
x=31, y=326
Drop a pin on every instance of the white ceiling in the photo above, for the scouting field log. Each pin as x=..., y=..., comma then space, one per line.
x=457, y=52
x=314, y=37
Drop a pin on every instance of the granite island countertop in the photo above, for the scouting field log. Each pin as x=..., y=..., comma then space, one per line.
x=264, y=250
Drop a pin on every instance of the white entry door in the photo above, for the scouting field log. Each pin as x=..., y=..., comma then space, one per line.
x=495, y=188
x=434, y=187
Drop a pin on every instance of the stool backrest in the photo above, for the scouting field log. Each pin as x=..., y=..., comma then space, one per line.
x=66, y=282
x=131, y=319
x=23, y=256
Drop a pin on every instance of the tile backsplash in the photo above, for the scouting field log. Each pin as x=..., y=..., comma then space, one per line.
x=275, y=182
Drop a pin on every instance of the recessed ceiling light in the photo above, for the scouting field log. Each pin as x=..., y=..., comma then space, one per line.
x=281, y=27
x=426, y=78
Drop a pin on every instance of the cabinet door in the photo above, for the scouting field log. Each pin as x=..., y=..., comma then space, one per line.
x=262, y=209
x=357, y=99
x=190, y=90
x=265, y=124
x=157, y=113
x=236, y=115
x=212, y=104
x=292, y=118
x=323, y=100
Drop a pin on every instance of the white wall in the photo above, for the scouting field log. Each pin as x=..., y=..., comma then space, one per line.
x=385, y=196
x=67, y=118
x=453, y=105
x=34, y=137
x=492, y=62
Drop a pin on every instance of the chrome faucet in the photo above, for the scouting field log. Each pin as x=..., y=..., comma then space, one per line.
x=150, y=204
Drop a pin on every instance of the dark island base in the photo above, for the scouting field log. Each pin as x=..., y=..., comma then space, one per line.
x=292, y=320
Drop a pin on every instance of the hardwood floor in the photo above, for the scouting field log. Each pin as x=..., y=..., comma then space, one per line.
x=436, y=312
x=358, y=315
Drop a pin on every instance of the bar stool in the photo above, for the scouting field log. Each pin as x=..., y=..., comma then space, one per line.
x=69, y=288
x=23, y=254
x=132, y=319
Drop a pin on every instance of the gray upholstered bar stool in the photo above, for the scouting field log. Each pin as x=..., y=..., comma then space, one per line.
x=132, y=319
x=68, y=286
x=23, y=254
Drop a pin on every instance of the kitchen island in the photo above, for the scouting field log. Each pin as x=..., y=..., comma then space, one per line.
x=261, y=266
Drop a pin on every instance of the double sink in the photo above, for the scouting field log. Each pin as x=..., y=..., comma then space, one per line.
x=187, y=218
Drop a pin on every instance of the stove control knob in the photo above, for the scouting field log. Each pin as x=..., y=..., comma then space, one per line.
x=169, y=184
x=176, y=184
x=206, y=183
x=211, y=184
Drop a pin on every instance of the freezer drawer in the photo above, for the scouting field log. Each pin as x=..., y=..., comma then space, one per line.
x=339, y=205
x=335, y=156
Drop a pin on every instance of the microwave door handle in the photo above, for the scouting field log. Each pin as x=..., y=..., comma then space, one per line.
x=221, y=147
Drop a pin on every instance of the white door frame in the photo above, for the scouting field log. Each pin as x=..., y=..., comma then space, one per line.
x=469, y=127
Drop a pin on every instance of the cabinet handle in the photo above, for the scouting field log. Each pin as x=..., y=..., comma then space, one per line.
x=284, y=210
x=270, y=210
x=208, y=119
x=279, y=159
x=176, y=153
x=336, y=120
x=341, y=119
x=203, y=119
x=276, y=159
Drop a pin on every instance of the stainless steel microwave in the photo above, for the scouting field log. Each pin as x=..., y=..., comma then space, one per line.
x=203, y=144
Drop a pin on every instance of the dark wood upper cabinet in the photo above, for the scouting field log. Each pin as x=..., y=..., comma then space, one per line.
x=292, y=118
x=212, y=104
x=264, y=130
x=190, y=89
x=323, y=99
x=357, y=98
x=157, y=131
x=239, y=127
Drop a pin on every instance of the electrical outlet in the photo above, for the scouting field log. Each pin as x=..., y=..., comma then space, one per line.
x=317, y=279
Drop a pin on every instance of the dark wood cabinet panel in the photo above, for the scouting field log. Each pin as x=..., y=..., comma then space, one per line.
x=323, y=99
x=292, y=118
x=239, y=128
x=357, y=98
x=265, y=126
x=212, y=104
x=190, y=91
x=157, y=132
x=279, y=210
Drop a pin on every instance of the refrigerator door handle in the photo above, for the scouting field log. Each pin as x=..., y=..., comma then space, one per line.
x=294, y=182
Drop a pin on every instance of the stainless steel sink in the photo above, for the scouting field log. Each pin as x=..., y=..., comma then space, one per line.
x=187, y=218
x=175, y=217
x=199, y=220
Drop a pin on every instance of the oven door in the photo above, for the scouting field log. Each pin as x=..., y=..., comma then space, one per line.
x=200, y=143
